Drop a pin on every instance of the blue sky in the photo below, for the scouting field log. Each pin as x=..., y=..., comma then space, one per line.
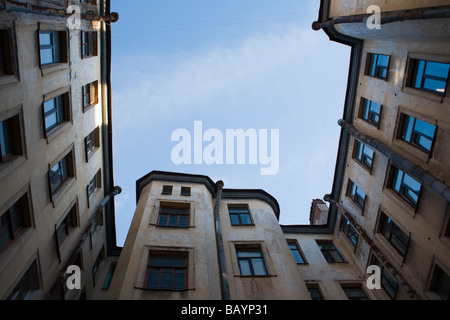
x=248, y=64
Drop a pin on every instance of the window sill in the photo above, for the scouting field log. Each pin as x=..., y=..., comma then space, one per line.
x=8, y=80
x=424, y=94
x=89, y=107
x=56, y=131
x=11, y=165
x=62, y=190
x=54, y=67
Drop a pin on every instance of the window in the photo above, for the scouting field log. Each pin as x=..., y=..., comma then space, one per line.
x=330, y=252
x=92, y=143
x=52, y=47
x=14, y=220
x=314, y=292
x=363, y=154
x=167, y=271
x=28, y=284
x=388, y=283
x=6, y=58
x=91, y=2
x=418, y=133
x=60, y=172
x=370, y=111
x=185, y=191
x=94, y=184
x=10, y=139
x=66, y=226
x=96, y=266
x=354, y=292
x=89, y=43
x=356, y=194
x=112, y=269
x=167, y=190
x=440, y=283
x=405, y=186
x=239, y=215
x=296, y=252
x=90, y=95
x=429, y=76
x=349, y=231
x=378, y=65
x=251, y=262
x=396, y=237
x=174, y=215
x=56, y=111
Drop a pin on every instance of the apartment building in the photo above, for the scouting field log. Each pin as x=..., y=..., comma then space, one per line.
x=389, y=205
x=56, y=182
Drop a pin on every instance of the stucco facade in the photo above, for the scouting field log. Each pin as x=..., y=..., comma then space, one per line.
x=45, y=175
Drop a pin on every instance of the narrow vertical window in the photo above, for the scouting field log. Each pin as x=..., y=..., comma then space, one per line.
x=89, y=43
x=330, y=252
x=296, y=253
x=90, y=95
x=388, y=283
x=354, y=292
x=440, y=283
x=396, y=237
x=174, y=215
x=10, y=139
x=6, y=56
x=27, y=285
x=92, y=143
x=14, y=220
x=55, y=112
x=363, y=154
x=370, y=112
x=378, y=65
x=356, y=194
x=349, y=231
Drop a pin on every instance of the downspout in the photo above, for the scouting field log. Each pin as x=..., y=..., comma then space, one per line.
x=24, y=7
x=389, y=17
x=219, y=242
x=400, y=161
x=381, y=257
x=83, y=237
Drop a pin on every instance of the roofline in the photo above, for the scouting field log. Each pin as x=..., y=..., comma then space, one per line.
x=257, y=194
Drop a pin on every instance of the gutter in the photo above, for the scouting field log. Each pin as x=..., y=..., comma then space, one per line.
x=219, y=242
x=26, y=7
x=389, y=17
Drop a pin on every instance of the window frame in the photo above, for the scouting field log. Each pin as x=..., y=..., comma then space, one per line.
x=355, y=196
x=373, y=68
x=63, y=110
x=22, y=206
x=414, y=74
x=346, y=228
x=320, y=244
x=316, y=287
x=358, y=148
x=92, y=143
x=29, y=283
x=354, y=286
x=185, y=191
x=184, y=255
x=89, y=45
x=62, y=47
x=367, y=113
x=383, y=222
x=436, y=273
x=291, y=244
x=69, y=154
x=231, y=213
x=386, y=283
x=415, y=135
x=94, y=185
x=174, y=206
x=402, y=192
x=167, y=190
x=249, y=261
x=90, y=91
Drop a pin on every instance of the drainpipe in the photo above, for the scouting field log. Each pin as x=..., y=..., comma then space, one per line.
x=381, y=257
x=11, y=5
x=84, y=235
x=219, y=241
x=400, y=161
x=389, y=17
